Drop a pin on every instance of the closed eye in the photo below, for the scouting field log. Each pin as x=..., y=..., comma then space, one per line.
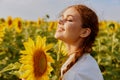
x=70, y=20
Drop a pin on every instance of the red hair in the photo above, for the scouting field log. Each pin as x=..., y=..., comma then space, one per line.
x=89, y=20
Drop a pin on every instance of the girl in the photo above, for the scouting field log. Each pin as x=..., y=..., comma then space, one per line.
x=78, y=28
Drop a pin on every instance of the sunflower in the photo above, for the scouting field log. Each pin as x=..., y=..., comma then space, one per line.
x=102, y=25
x=36, y=62
x=2, y=20
x=52, y=25
x=2, y=28
x=112, y=26
x=9, y=22
x=39, y=21
x=18, y=24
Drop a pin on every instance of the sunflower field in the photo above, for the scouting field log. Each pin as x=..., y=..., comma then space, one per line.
x=29, y=50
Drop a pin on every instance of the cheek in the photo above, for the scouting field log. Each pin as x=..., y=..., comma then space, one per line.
x=73, y=29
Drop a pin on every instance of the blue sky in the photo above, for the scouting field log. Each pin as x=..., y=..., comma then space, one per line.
x=32, y=9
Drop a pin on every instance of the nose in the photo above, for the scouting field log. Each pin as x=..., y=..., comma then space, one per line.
x=62, y=21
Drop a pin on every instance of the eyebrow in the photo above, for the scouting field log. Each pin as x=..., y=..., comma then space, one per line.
x=67, y=15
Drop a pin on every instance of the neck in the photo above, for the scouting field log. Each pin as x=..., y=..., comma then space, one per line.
x=73, y=48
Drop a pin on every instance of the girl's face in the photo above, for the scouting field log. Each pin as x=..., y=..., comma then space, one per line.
x=69, y=26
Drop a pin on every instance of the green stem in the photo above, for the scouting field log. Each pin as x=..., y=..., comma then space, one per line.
x=113, y=37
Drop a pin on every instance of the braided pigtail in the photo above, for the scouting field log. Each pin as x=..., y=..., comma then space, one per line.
x=73, y=60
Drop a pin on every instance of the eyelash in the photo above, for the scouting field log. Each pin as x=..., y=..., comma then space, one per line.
x=70, y=20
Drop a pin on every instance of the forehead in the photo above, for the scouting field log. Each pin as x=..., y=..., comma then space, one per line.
x=71, y=11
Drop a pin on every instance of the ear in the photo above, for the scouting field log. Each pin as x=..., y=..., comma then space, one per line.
x=85, y=32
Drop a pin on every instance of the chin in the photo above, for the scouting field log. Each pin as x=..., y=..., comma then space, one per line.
x=57, y=36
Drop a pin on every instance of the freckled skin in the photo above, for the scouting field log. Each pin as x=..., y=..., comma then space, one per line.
x=69, y=27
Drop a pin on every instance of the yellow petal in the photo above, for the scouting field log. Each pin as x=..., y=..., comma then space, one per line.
x=49, y=58
x=48, y=47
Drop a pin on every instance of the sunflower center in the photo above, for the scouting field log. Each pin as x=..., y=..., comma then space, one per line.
x=40, y=63
x=9, y=22
x=19, y=24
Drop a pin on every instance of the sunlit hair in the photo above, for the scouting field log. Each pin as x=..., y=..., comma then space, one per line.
x=89, y=20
